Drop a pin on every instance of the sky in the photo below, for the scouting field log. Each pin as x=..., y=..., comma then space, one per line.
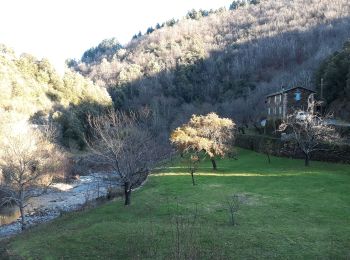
x=61, y=29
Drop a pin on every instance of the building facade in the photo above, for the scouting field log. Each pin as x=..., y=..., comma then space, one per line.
x=285, y=102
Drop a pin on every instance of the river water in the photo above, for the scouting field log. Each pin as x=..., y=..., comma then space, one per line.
x=61, y=197
x=8, y=215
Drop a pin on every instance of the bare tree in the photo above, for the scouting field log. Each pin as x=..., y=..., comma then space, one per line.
x=309, y=130
x=192, y=165
x=233, y=204
x=124, y=143
x=27, y=163
x=267, y=148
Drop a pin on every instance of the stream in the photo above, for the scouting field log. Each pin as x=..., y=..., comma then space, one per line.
x=8, y=215
x=60, y=198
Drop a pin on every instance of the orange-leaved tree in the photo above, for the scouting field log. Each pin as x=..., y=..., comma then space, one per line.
x=209, y=134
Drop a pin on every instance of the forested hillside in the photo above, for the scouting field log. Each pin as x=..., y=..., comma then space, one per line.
x=225, y=61
x=333, y=77
x=30, y=89
x=219, y=60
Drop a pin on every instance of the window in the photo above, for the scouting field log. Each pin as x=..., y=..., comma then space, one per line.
x=275, y=110
x=269, y=111
x=280, y=110
x=278, y=98
x=298, y=95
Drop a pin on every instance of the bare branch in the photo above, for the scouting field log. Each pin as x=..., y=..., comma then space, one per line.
x=122, y=142
x=309, y=130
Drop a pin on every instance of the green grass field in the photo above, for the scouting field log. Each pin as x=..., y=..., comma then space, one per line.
x=287, y=211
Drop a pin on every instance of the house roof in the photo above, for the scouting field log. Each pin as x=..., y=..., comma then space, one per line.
x=287, y=90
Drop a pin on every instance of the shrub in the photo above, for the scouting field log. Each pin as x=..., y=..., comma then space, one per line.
x=335, y=152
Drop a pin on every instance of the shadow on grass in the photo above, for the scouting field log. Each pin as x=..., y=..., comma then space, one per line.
x=252, y=164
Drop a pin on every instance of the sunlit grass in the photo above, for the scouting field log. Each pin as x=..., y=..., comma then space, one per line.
x=287, y=211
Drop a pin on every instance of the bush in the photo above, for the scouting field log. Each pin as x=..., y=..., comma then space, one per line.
x=335, y=152
x=272, y=126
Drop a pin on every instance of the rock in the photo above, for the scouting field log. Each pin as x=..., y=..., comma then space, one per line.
x=54, y=203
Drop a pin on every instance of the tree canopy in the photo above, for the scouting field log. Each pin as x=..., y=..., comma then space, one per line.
x=106, y=49
x=225, y=61
x=27, y=164
x=209, y=134
x=31, y=89
x=334, y=74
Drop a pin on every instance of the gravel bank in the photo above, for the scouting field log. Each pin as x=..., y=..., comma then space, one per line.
x=60, y=198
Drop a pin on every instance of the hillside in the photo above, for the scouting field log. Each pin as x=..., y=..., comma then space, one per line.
x=333, y=76
x=224, y=62
x=31, y=89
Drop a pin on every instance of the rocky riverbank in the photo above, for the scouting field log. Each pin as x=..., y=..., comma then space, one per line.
x=61, y=198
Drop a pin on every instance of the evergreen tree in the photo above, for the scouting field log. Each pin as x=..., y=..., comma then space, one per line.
x=334, y=73
x=237, y=3
x=194, y=15
x=150, y=30
x=170, y=22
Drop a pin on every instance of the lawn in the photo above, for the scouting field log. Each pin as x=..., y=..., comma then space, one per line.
x=286, y=211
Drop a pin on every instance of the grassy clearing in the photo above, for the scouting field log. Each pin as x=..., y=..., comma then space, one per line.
x=287, y=211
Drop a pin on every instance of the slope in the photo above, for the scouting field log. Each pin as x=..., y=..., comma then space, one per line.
x=286, y=211
x=30, y=89
x=224, y=62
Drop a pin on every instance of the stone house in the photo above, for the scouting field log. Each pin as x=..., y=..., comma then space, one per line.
x=285, y=102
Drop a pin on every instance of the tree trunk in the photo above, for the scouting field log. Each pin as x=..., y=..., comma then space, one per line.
x=268, y=157
x=257, y=129
x=232, y=218
x=307, y=159
x=192, y=178
x=213, y=163
x=127, y=193
x=21, y=210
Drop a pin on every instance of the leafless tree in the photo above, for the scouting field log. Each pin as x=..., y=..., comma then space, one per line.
x=309, y=130
x=27, y=162
x=192, y=161
x=233, y=203
x=124, y=143
x=267, y=148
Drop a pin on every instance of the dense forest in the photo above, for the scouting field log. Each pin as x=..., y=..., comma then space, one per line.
x=333, y=77
x=30, y=89
x=224, y=61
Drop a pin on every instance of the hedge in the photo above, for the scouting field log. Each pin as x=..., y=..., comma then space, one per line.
x=277, y=147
